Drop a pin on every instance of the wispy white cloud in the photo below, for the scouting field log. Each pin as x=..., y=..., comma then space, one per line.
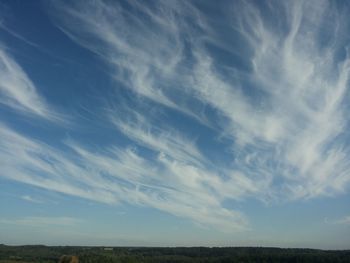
x=304, y=85
x=279, y=122
x=291, y=130
x=146, y=55
x=342, y=221
x=14, y=34
x=37, y=221
x=140, y=128
x=32, y=162
x=117, y=175
x=19, y=93
x=31, y=199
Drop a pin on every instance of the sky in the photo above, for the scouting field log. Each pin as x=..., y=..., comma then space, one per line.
x=175, y=123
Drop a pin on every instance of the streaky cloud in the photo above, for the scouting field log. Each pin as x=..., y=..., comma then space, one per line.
x=343, y=221
x=19, y=93
x=35, y=221
x=279, y=122
x=291, y=131
x=114, y=176
x=31, y=199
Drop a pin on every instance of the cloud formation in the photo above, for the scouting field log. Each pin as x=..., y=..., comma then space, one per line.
x=116, y=175
x=285, y=114
x=274, y=114
x=31, y=199
x=343, y=221
x=19, y=93
x=35, y=221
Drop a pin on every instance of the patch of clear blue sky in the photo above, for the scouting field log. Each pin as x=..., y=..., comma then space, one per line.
x=75, y=81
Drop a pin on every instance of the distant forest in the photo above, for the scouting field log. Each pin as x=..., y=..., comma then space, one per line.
x=46, y=254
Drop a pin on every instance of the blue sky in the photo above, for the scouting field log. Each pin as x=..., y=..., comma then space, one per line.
x=176, y=123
